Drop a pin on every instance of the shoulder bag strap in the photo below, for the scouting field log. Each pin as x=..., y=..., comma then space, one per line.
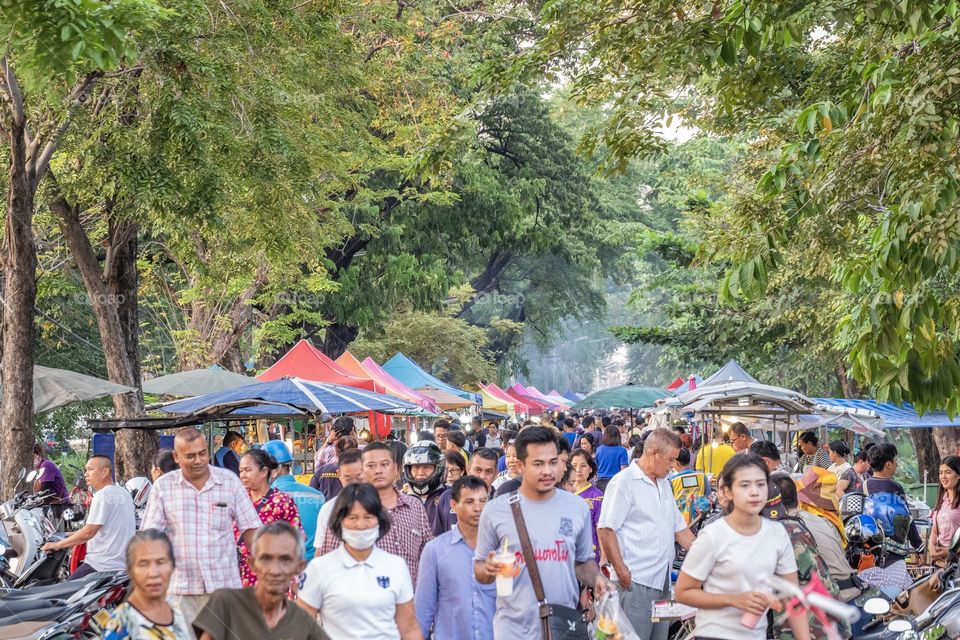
x=531, y=562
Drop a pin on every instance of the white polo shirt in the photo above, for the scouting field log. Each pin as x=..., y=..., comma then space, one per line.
x=645, y=518
x=358, y=599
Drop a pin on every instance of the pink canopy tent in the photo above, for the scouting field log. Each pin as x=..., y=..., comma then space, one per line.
x=397, y=388
x=519, y=392
x=519, y=405
x=540, y=395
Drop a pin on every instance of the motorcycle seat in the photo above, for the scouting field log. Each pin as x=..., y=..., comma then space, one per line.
x=24, y=610
x=48, y=591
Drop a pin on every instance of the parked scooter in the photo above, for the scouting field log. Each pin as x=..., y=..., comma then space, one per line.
x=78, y=609
x=24, y=531
x=941, y=619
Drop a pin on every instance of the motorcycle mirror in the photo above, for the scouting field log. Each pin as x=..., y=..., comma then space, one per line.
x=23, y=472
x=955, y=542
x=33, y=475
x=899, y=626
x=876, y=606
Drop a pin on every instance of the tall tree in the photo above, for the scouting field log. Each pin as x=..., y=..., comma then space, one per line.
x=853, y=112
x=55, y=54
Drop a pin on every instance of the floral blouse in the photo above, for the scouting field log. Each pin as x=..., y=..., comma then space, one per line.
x=126, y=623
x=276, y=505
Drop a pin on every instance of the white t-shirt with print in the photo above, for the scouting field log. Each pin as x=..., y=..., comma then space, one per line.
x=730, y=563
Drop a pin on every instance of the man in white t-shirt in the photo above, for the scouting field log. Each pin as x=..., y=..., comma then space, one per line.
x=639, y=523
x=110, y=522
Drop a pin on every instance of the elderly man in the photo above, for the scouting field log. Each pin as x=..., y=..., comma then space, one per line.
x=110, y=523
x=198, y=507
x=263, y=611
x=639, y=523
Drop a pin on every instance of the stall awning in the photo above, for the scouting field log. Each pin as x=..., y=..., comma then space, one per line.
x=893, y=416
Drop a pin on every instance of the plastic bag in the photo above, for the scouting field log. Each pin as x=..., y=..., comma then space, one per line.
x=610, y=622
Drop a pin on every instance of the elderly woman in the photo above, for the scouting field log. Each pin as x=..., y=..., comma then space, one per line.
x=360, y=590
x=146, y=615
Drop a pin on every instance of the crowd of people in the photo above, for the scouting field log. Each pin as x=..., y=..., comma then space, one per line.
x=396, y=542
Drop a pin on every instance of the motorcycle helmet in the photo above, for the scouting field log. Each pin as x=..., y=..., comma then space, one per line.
x=279, y=450
x=139, y=489
x=891, y=513
x=851, y=505
x=864, y=531
x=424, y=452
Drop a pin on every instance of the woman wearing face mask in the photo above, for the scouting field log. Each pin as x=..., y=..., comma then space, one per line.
x=360, y=590
x=271, y=504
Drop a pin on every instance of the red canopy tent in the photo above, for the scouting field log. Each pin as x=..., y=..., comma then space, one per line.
x=306, y=361
x=520, y=406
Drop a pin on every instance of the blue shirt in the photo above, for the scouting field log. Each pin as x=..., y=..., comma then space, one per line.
x=308, y=502
x=571, y=437
x=610, y=459
x=448, y=598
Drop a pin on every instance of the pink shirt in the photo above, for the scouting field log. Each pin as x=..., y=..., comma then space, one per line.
x=948, y=521
x=200, y=525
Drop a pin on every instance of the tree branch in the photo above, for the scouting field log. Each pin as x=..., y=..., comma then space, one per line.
x=12, y=88
x=74, y=100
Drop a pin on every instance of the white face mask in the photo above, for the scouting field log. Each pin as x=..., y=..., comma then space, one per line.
x=361, y=539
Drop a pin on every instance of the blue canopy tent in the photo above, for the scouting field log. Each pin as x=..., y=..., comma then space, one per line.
x=893, y=416
x=573, y=396
x=411, y=374
x=287, y=395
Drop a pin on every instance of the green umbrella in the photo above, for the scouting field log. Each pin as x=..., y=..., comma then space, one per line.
x=627, y=396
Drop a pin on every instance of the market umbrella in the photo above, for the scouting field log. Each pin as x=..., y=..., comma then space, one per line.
x=627, y=396
x=286, y=393
x=54, y=388
x=196, y=382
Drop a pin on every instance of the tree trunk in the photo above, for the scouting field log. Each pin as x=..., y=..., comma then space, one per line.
x=928, y=458
x=337, y=337
x=947, y=440
x=19, y=298
x=112, y=293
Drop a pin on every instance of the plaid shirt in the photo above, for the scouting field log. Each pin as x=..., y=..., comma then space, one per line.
x=200, y=525
x=409, y=533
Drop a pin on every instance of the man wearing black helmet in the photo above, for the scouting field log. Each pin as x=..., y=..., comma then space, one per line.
x=424, y=467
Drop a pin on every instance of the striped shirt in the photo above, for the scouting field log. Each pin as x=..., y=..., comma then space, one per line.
x=200, y=525
x=409, y=533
